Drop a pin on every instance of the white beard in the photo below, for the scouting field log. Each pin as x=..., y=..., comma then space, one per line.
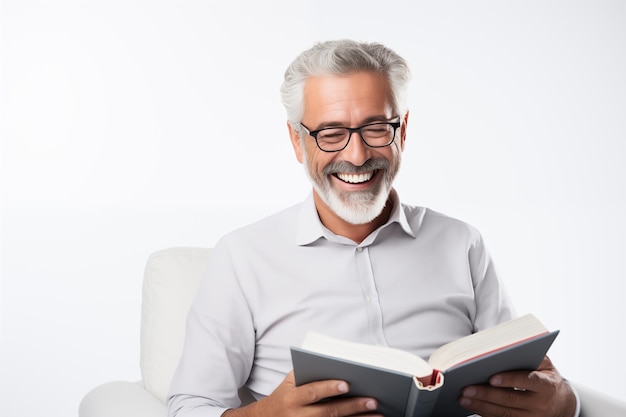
x=355, y=207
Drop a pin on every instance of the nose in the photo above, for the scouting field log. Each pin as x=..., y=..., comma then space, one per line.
x=356, y=152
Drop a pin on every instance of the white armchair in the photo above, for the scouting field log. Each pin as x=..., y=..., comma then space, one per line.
x=171, y=279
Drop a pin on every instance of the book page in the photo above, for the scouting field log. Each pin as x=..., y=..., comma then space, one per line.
x=486, y=341
x=378, y=356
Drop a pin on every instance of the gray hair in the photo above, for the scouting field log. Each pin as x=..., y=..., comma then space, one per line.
x=342, y=57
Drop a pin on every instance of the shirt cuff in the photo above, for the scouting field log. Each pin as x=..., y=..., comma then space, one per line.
x=577, y=412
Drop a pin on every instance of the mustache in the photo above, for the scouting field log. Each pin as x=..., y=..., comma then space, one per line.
x=348, y=168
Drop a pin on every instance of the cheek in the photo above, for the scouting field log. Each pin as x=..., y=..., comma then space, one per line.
x=316, y=159
x=390, y=153
x=396, y=151
x=315, y=163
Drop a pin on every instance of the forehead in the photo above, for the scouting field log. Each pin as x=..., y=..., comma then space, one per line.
x=347, y=98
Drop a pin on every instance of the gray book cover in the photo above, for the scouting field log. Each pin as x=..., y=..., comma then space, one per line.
x=398, y=394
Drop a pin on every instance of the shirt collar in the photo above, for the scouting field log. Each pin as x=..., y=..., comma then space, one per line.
x=309, y=228
x=398, y=215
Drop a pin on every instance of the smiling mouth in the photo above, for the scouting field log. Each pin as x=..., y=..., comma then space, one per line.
x=355, y=178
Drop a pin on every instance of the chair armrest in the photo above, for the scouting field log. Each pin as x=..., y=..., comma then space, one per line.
x=121, y=399
x=594, y=403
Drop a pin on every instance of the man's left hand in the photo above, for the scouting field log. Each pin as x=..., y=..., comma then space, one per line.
x=540, y=393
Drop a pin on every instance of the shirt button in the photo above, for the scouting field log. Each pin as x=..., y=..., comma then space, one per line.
x=359, y=249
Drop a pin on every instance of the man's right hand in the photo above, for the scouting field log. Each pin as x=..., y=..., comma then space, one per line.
x=287, y=400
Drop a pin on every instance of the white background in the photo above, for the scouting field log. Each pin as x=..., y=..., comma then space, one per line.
x=131, y=126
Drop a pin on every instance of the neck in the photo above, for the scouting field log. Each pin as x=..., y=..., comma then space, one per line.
x=340, y=227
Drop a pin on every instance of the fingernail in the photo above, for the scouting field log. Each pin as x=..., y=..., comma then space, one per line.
x=465, y=401
x=496, y=380
x=469, y=392
x=370, y=404
x=342, y=387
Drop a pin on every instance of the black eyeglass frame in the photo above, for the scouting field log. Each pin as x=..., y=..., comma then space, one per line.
x=352, y=130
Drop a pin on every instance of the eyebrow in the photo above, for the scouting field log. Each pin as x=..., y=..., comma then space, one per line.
x=371, y=119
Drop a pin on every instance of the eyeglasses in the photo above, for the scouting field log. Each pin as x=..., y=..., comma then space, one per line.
x=335, y=139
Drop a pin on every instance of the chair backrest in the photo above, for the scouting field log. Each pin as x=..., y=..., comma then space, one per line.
x=171, y=279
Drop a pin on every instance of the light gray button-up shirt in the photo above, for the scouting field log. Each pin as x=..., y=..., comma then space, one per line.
x=421, y=280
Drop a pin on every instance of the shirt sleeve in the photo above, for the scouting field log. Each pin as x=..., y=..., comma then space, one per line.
x=493, y=304
x=219, y=345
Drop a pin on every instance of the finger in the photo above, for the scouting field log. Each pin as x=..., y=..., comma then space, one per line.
x=487, y=409
x=314, y=392
x=348, y=407
x=534, y=381
x=486, y=400
x=518, y=380
x=317, y=391
x=525, y=380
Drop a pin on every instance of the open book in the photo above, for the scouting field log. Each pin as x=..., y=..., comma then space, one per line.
x=407, y=385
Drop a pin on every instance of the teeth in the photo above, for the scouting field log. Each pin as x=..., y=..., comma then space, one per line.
x=356, y=178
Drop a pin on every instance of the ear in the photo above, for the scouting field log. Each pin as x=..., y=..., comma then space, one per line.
x=405, y=122
x=295, y=142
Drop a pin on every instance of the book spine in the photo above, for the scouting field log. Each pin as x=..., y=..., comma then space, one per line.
x=421, y=401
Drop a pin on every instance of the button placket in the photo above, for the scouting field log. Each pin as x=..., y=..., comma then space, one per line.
x=370, y=295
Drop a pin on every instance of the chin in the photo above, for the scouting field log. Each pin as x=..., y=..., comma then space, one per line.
x=356, y=207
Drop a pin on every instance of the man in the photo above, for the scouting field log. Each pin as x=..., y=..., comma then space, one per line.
x=350, y=261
